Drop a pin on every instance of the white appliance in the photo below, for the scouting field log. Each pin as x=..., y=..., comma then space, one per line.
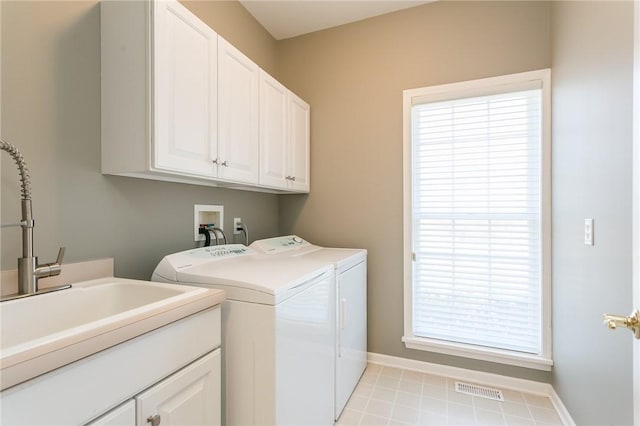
x=351, y=302
x=278, y=331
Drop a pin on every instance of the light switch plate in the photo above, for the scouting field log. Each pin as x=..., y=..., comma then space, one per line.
x=588, y=232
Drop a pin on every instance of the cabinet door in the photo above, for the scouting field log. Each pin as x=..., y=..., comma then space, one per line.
x=238, y=98
x=299, y=136
x=189, y=397
x=274, y=109
x=185, y=91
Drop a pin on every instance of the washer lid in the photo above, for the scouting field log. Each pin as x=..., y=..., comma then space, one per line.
x=243, y=273
x=172, y=263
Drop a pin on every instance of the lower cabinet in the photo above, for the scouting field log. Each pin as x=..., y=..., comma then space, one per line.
x=191, y=396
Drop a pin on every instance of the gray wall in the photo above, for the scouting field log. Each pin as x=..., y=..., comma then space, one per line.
x=353, y=77
x=51, y=111
x=592, y=57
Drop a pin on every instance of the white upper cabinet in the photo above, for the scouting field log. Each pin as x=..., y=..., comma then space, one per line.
x=284, y=137
x=185, y=86
x=179, y=103
x=159, y=91
x=299, y=137
x=274, y=131
x=238, y=79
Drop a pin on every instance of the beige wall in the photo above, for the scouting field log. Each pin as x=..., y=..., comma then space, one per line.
x=592, y=89
x=236, y=25
x=51, y=111
x=353, y=77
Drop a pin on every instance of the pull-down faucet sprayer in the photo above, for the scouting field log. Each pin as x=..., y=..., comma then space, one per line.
x=28, y=269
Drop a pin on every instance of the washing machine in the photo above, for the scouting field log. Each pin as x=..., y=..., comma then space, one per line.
x=278, y=331
x=350, y=266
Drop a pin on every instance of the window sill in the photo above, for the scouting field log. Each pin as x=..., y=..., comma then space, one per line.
x=480, y=353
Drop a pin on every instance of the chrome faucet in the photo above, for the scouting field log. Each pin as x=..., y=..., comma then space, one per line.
x=29, y=272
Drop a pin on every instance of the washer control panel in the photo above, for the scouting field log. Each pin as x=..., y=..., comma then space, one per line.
x=224, y=251
x=280, y=244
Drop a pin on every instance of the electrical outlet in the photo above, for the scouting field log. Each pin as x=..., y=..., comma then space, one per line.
x=236, y=222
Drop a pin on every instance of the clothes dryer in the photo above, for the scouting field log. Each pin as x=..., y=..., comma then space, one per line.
x=350, y=267
x=278, y=331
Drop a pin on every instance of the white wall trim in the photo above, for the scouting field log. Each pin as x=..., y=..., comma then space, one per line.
x=517, y=359
x=480, y=377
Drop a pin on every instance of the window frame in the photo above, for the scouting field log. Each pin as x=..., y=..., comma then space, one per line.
x=466, y=89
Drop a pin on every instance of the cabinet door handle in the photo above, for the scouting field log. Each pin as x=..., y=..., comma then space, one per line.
x=215, y=161
x=154, y=420
x=225, y=163
x=293, y=178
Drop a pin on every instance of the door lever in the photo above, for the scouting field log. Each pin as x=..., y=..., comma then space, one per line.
x=632, y=322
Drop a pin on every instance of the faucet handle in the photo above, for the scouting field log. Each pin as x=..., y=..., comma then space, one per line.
x=56, y=267
x=60, y=255
x=51, y=269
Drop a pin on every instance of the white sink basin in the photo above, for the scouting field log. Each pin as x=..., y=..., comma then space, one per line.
x=46, y=331
x=43, y=316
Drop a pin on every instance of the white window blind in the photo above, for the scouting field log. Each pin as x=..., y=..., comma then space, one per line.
x=476, y=218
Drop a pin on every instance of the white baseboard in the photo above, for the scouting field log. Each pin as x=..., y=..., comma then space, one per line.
x=480, y=377
x=560, y=408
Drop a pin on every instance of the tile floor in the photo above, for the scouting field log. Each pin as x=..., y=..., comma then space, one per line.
x=391, y=396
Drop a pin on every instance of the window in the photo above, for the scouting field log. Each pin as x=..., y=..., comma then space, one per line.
x=477, y=219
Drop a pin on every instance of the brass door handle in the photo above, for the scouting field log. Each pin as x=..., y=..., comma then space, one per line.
x=632, y=322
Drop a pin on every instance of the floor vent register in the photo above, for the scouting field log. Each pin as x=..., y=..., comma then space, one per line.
x=479, y=391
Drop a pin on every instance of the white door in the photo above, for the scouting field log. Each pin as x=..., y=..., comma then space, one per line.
x=636, y=205
x=238, y=99
x=633, y=320
x=274, y=136
x=189, y=397
x=185, y=91
x=299, y=137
